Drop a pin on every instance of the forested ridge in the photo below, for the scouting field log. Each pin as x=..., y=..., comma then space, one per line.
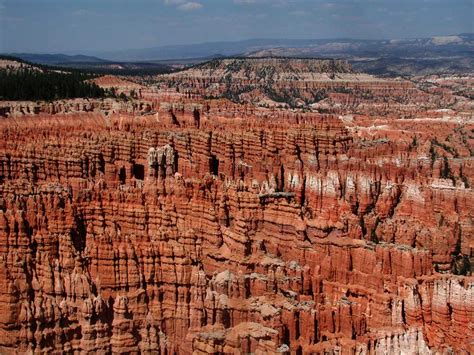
x=31, y=82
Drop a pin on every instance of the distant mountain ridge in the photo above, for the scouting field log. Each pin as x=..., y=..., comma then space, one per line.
x=90, y=64
x=57, y=59
x=462, y=44
x=412, y=56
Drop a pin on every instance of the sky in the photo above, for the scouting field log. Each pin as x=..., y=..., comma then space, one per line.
x=81, y=26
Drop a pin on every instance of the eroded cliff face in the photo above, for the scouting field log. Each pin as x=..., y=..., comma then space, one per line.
x=104, y=107
x=205, y=226
x=304, y=83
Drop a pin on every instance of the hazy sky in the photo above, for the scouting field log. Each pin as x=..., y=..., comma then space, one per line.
x=96, y=25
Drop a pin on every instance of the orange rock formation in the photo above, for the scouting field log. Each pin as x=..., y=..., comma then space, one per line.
x=203, y=226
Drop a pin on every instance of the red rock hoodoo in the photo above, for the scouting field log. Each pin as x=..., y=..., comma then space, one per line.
x=183, y=224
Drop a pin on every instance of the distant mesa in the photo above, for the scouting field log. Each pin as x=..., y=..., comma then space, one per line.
x=272, y=81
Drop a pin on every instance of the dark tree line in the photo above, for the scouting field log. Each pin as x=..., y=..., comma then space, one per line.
x=30, y=84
